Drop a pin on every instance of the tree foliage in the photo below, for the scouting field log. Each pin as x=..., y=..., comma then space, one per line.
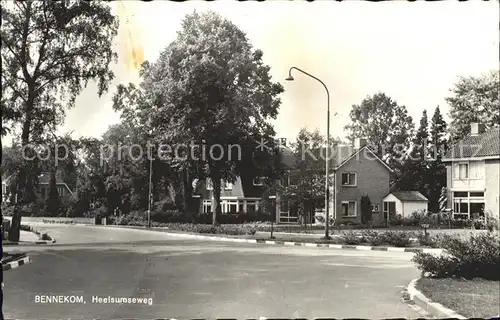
x=210, y=87
x=306, y=190
x=385, y=124
x=50, y=51
x=387, y=127
x=436, y=175
x=366, y=209
x=474, y=99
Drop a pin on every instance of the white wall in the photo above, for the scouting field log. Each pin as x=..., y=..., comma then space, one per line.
x=405, y=209
x=492, y=193
x=392, y=198
x=412, y=206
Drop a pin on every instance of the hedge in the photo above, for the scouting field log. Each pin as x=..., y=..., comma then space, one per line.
x=469, y=258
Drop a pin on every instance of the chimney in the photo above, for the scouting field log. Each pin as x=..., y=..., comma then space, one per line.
x=359, y=143
x=477, y=128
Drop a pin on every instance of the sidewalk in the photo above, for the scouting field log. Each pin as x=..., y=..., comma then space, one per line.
x=27, y=236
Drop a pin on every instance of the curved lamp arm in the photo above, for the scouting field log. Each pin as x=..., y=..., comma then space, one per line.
x=290, y=78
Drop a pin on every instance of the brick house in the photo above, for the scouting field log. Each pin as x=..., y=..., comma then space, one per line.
x=43, y=186
x=245, y=195
x=473, y=173
x=357, y=172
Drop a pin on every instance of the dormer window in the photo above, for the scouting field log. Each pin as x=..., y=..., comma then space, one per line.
x=226, y=185
x=349, y=179
x=258, y=181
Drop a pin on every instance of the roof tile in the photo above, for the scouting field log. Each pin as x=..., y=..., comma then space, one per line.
x=483, y=145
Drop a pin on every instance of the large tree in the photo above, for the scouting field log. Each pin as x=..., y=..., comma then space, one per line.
x=210, y=87
x=386, y=125
x=436, y=174
x=50, y=51
x=414, y=168
x=474, y=99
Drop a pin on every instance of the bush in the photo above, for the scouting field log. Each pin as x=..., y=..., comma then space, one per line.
x=397, y=238
x=491, y=223
x=352, y=238
x=475, y=257
x=374, y=238
x=7, y=210
x=25, y=227
x=46, y=237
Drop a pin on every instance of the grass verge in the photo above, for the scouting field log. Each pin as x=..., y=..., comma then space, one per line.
x=475, y=298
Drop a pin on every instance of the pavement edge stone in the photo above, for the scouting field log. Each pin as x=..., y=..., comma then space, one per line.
x=434, y=308
x=286, y=243
x=16, y=263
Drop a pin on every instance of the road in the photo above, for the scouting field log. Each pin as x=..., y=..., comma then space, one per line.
x=202, y=279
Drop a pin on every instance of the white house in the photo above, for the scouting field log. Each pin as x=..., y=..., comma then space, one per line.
x=473, y=173
x=404, y=203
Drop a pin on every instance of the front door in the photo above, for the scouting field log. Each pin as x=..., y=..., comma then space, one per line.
x=389, y=211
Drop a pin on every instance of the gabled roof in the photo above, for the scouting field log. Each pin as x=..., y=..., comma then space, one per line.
x=339, y=155
x=366, y=148
x=481, y=146
x=409, y=196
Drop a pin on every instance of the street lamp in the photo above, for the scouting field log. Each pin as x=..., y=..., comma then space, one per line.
x=327, y=171
x=150, y=182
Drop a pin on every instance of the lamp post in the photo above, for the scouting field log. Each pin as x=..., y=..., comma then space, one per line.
x=150, y=182
x=327, y=171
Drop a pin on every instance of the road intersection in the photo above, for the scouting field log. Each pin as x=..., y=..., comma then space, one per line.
x=201, y=279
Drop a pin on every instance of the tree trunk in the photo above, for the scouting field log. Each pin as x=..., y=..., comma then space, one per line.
x=216, y=182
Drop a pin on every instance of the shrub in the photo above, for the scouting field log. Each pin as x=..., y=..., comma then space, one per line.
x=475, y=257
x=396, y=238
x=7, y=210
x=366, y=209
x=352, y=238
x=374, y=238
x=25, y=227
x=46, y=237
x=491, y=223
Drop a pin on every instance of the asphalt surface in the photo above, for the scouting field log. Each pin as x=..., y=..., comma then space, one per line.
x=198, y=279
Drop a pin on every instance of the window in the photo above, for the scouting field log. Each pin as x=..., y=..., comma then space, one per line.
x=251, y=206
x=284, y=206
x=258, y=181
x=375, y=208
x=207, y=206
x=210, y=186
x=461, y=207
x=461, y=171
x=477, y=194
x=233, y=207
x=60, y=191
x=285, y=180
x=348, y=179
x=240, y=207
x=476, y=170
x=348, y=208
x=477, y=209
x=459, y=194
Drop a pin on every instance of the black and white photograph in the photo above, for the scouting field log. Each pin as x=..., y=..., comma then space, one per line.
x=250, y=159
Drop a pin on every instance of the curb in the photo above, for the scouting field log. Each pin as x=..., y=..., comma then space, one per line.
x=434, y=308
x=29, y=243
x=17, y=263
x=288, y=243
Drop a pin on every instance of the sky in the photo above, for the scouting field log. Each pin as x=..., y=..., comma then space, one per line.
x=413, y=52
